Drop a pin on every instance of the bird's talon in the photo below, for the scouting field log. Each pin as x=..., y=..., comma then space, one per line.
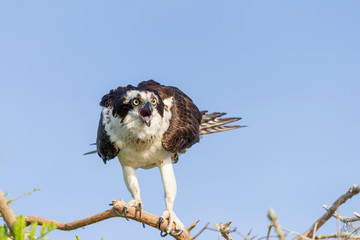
x=178, y=233
x=139, y=206
x=125, y=210
x=160, y=221
x=143, y=225
x=163, y=234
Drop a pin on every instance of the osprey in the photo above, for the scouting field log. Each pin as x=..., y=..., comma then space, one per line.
x=149, y=126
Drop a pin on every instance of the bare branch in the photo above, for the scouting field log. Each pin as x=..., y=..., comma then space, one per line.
x=116, y=211
x=336, y=235
x=268, y=233
x=350, y=193
x=191, y=227
x=6, y=212
x=296, y=233
x=203, y=229
x=225, y=230
x=274, y=222
x=341, y=218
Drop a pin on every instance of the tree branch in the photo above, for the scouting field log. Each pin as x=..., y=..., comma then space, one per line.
x=6, y=212
x=225, y=230
x=275, y=223
x=116, y=211
x=203, y=229
x=336, y=235
x=342, y=218
x=342, y=199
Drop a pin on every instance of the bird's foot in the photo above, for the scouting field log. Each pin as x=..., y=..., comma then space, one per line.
x=138, y=206
x=172, y=218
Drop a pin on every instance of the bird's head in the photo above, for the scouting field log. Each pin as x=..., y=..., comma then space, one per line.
x=137, y=110
x=143, y=106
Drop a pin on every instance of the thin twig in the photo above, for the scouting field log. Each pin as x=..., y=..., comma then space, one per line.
x=24, y=194
x=191, y=227
x=269, y=230
x=247, y=236
x=313, y=238
x=200, y=232
x=352, y=233
x=296, y=233
x=342, y=199
x=338, y=226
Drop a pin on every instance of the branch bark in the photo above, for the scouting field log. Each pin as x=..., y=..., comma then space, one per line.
x=342, y=218
x=116, y=211
x=225, y=230
x=337, y=235
x=6, y=212
x=331, y=211
x=275, y=223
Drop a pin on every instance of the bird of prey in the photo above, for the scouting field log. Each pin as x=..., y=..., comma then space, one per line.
x=149, y=126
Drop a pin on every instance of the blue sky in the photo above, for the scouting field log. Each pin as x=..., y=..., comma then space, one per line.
x=290, y=69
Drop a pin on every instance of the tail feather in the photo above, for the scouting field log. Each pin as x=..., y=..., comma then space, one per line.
x=211, y=116
x=218, y=122
x=212, y=123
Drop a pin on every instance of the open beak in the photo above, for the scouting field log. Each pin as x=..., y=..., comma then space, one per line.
x=145, y=113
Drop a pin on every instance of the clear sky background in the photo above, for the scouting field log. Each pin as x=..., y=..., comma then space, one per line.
x=290, y=69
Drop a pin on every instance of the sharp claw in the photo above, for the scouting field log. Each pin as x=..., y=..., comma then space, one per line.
x=162, y=234
x=160, y=221
x=178, y=233
x=139, y=206
x=125, y=209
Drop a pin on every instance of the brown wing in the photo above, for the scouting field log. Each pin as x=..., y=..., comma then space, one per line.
x=106, y=149
x=183, y=131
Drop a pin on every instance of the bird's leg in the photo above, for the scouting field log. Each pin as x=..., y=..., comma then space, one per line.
x=169, y=183
x=133, y=187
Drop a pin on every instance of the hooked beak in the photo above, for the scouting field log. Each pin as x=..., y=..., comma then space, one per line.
x=145, y=113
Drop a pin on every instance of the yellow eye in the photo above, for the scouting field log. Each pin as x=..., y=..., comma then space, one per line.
x=136, y=102
x=153, y=102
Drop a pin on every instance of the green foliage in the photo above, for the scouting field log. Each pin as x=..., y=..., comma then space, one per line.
x=3, y=232
x=22, y=233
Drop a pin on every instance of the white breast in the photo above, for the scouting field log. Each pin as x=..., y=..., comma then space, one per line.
x=140, y=146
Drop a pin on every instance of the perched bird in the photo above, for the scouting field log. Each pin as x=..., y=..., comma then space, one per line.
x=149, y=126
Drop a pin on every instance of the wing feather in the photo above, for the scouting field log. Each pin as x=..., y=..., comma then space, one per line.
x=106, y=149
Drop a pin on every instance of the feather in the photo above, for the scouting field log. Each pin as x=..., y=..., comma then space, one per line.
x=212, y=123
